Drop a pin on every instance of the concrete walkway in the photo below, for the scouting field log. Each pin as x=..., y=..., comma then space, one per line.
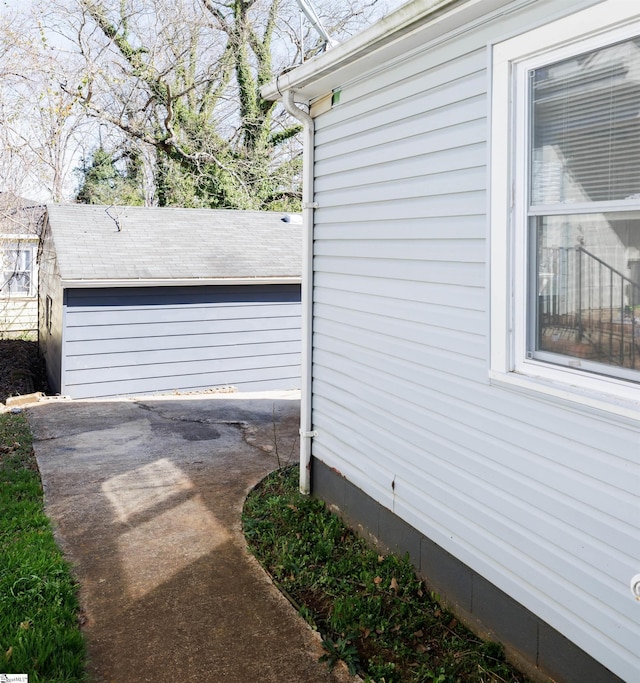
x=146, y=497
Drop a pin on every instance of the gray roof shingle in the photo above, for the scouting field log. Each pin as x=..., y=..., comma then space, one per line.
x=19, y=216
x=130, y=243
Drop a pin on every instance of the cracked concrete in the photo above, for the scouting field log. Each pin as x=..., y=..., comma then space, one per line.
x=146, y=499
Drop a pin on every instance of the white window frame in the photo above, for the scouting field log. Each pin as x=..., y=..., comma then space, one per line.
x=511, y=60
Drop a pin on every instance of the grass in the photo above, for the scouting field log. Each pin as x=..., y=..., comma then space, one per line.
x=39, y=630
x=372, y=610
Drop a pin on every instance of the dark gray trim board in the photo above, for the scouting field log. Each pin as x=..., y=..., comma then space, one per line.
x=530, y=643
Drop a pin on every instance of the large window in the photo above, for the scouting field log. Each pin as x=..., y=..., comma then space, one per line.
x=566, y=203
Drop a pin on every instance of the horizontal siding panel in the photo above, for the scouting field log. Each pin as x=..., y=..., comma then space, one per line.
x=425, y=453
x=461, y=274
x=224, y=366
x=414, y=144
x=424, y=186
x=470, y=156
x=425, y=250
x=166, y=329
x=269, y=379
x=90, y=317
x=465, y=203
x=461, y=402
x=472, y=298
x=140, y=358
x=452, y=484
x=442, y=360
x=431, y=110
x=611, y=560
x=389, y=310
x=178, y=341
x=18, y=315
x=398, y=84
x=412, y=338
x=468, y=480
x=586, y=452
x=427, y=227
x=464, y=537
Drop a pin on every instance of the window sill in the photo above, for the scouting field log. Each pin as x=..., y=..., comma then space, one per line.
x=625, y=408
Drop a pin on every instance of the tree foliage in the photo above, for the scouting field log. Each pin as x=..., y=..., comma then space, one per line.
x=177, y=84
x=183, y=78
x=103, y=182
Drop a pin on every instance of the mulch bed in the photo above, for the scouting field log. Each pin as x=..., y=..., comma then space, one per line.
x=21, y=368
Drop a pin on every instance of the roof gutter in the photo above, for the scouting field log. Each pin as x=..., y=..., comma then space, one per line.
x=392, y=28
x=306, y=432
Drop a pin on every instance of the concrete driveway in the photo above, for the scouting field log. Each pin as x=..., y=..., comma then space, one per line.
x=146, y=497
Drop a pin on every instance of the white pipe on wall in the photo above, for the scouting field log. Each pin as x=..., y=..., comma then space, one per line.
x=306, y=433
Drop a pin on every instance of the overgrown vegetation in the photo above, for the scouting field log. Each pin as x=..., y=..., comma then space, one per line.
x=39, y=630
x=372, y=610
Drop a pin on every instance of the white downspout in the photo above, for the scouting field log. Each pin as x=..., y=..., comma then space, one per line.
x=306, y=433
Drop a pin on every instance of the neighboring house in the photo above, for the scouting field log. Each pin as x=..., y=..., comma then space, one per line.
x=471, y=317
x=20, y=224
x=147, y=300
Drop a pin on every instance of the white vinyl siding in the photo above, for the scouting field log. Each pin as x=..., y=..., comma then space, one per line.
x=18, y=317
x=538, y=495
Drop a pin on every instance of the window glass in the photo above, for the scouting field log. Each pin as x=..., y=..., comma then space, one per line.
x=586, y=127
x=584, y=278
x=16, y=271
x=587, y=294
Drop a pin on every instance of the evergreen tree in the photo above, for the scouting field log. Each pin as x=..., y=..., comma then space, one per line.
x=102, y=182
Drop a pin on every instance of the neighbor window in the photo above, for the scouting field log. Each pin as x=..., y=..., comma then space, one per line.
x=566, y=205
x=17, y=270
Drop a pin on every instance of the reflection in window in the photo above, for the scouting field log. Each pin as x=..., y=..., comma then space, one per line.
x=585, y=261
x=17, y=267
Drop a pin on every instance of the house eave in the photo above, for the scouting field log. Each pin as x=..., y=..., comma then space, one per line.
x=401, y=31
x=175, y=282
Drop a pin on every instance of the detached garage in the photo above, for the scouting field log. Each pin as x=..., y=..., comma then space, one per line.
x=142, y=300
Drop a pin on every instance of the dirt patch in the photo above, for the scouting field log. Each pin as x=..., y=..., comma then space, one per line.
x=22, y=369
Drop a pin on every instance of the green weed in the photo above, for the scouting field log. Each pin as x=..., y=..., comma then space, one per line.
x=373, y=612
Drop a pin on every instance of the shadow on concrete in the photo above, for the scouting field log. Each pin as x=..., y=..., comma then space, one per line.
x=146, y=498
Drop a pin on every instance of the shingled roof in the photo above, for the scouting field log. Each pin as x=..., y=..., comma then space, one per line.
x=19, y=216
x=138, y=243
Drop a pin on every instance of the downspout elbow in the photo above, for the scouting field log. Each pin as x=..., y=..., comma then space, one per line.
x=297, y=113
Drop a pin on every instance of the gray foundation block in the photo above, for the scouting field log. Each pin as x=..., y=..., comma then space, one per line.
x=540, y=651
